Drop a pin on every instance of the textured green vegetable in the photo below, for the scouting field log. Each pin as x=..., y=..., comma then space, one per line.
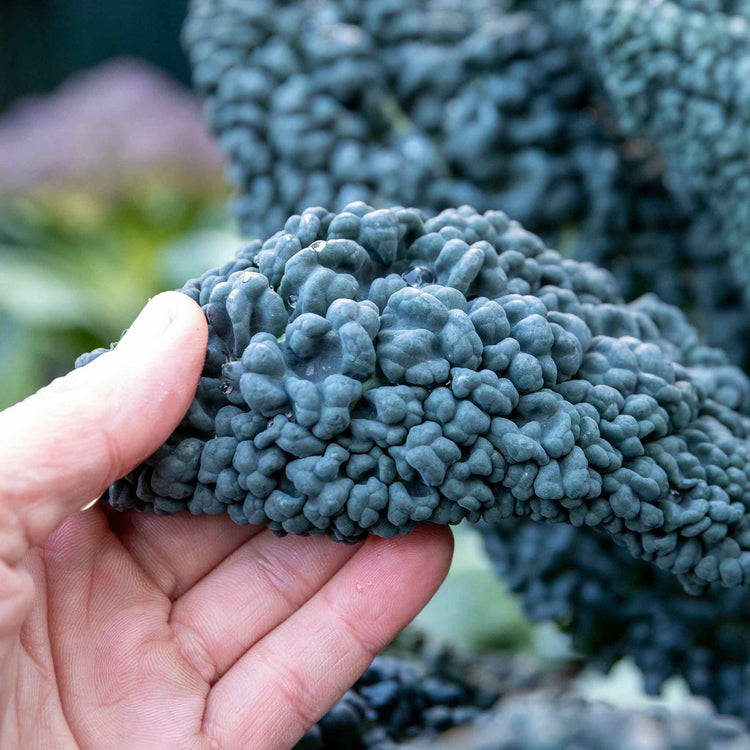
x=679, y=74
x=614, y=607
x=440, y=103
x=370, y=370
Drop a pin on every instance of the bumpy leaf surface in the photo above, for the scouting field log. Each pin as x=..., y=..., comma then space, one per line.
x=373, y=369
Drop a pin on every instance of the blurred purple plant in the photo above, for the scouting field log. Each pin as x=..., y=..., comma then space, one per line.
x=120, y=121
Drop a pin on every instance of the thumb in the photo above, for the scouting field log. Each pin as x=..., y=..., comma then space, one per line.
x=61, y=447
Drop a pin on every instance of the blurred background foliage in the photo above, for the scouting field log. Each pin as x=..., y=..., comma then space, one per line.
x=110, y=191
x=42, y=42
x=75, y=272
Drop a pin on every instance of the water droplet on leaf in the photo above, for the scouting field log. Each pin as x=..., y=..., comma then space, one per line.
x=418, y=276
x=292, y=300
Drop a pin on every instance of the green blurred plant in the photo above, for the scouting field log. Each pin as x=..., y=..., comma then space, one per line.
x=473, y=608
x=75, y=269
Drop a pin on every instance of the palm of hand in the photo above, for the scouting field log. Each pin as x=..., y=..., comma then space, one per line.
x=193, y=632
x=129, y=630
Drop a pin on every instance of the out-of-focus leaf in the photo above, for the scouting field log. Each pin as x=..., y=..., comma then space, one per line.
x=473, y=608
x=33, y=295
x=191, y=254
x=624, y=686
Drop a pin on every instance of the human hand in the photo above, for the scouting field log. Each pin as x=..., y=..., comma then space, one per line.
x=138, y=631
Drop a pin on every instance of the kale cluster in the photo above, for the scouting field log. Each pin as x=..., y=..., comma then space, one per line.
x=374, y=369
x=414, y=690
x=679, y=73
x=440, y=103
x=615, y=607
x=545, y=721
x=420, y=694
x=391, y=103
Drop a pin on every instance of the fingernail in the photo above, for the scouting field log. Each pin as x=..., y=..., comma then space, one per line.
x=155, y=318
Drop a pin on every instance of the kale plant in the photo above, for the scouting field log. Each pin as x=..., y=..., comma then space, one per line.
x=374, y=369
x=440, y=103
x=546, y=721
x=679, y=74
x=614, y=607
x=416, y=689
x=432, y=697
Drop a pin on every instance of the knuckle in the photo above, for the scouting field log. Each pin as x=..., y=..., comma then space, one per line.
x=275, y=575
x=361, y=632
x=195, y=650
x=293, y=690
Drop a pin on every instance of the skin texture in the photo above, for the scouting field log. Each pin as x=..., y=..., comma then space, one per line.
x=142, y=631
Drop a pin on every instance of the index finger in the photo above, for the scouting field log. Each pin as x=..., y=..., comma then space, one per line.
x=62, y=447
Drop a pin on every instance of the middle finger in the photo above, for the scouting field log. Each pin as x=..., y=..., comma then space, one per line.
x=253, y=591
